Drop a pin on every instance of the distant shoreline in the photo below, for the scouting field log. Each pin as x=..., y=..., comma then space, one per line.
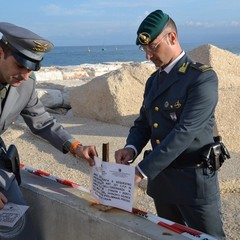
x=77, y=55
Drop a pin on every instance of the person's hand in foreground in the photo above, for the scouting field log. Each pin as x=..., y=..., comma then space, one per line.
x=86, y=152
x=3, y=200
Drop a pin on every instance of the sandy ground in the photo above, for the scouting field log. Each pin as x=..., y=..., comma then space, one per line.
x=37, y=153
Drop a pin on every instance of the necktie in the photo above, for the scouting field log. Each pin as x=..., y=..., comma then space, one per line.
x=3, y=93
x=162, y=75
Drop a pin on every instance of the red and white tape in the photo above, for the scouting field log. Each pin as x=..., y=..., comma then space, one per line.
x=43, y=174
x=175, y=227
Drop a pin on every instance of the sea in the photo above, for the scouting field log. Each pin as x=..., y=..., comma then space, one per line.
x=77, y=55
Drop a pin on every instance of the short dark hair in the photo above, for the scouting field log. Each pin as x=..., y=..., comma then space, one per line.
x=172, y=25
x=7, y=51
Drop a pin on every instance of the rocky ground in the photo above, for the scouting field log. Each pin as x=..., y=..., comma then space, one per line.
x=37, y=153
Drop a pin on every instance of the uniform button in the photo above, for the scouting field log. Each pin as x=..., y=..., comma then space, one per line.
x=156, y=109
x=157, y=141
x=155, y=125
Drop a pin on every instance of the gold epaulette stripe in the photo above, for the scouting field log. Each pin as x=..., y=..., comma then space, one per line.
x=201, y=67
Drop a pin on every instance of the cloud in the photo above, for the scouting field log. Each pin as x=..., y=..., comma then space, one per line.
x=213, y=24
x=199, y=24
x=56, y=10
x=235, y=23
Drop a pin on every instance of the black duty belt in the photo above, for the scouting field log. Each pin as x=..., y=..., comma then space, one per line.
x=210, y=156
x=190, y=160
x=185, y=161
x=187, y=164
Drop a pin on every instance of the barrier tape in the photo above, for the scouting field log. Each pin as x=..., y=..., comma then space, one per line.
x=175, y=227
x=43, y=174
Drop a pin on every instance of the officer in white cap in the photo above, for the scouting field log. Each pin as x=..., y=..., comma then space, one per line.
x=21, y=53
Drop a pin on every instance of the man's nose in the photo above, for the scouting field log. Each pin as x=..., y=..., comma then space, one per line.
x=148, y=55
x=26, y=73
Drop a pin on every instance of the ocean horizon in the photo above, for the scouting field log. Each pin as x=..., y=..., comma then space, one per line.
x=77, y=55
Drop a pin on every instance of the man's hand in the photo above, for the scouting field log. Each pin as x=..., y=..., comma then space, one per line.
x=124, y=155
x=3, y=200
x=138, y=176
x=86, y=152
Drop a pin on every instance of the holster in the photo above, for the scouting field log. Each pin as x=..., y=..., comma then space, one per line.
x=11, y=161
x=215, y=154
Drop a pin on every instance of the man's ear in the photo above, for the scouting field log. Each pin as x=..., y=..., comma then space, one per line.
x=172, y=37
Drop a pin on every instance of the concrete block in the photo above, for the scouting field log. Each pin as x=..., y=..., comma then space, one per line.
x=60, y=212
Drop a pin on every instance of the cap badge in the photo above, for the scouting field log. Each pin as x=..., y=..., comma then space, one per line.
x=144, y=38
x=40, y=47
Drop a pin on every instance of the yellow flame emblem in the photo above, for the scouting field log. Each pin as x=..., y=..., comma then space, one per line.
x=177, y=104
x=144, y=38
x=40, y=47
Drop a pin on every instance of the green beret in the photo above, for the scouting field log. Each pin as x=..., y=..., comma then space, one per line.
x=151, y=27
x=27, y=47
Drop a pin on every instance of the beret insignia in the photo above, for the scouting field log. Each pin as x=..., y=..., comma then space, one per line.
x=144, y=38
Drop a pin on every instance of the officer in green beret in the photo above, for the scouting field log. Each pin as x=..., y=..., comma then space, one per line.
x=21, y=53
x=177, y=116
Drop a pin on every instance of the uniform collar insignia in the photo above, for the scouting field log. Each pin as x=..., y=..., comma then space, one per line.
x=183, y=68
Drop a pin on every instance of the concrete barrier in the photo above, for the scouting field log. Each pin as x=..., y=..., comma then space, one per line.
x=60, y=212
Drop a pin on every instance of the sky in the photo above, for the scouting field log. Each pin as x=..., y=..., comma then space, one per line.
x=105, y=22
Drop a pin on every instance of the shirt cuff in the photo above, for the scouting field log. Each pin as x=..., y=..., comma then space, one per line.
x=135, y=150
x=67, y=144
x=139, y=169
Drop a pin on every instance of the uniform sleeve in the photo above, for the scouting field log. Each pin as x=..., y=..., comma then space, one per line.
x=43, y=124
x=140, y=132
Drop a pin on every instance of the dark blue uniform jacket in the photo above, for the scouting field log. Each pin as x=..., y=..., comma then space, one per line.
x=177, y=116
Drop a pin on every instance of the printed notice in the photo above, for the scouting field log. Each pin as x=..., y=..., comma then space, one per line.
x=112, y=184
x=11, y=213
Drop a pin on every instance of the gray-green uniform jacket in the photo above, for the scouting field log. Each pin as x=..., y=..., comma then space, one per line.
x=23, y=101
x=177, y=116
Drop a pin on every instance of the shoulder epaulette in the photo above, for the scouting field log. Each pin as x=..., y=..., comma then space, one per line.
x=201, y=67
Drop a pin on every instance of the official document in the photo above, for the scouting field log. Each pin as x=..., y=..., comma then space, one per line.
x=11, y=213
x=112, y=184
